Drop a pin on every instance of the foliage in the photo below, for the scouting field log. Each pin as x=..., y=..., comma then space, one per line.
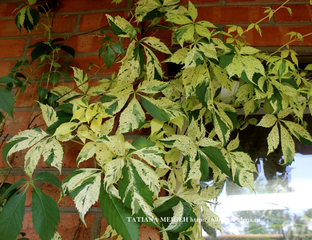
x=194, y=130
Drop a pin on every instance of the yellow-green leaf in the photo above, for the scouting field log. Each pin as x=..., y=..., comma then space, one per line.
x=288, y=146
x=273, y=139
x=267, y=121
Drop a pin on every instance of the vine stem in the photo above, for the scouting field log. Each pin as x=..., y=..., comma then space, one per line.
x=291, y=41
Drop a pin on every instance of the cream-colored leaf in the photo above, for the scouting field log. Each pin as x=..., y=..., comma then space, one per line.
x=273, y=139
x=113, y=171
x=249, y=50
x=49, y=114
x=116, y=144
x=222, y=77
x=210, y=192
x=56, y=236
x=83, y=132
x=66, y=128
x=177, y=214
x=267, y=121
x=209, y=50
x=53, y=153
x=103, y=154
x=179, y=19
x=194, y=172
x=109, y=233
x=152, y=65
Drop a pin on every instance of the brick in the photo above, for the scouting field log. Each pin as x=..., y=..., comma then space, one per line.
x=94, y=21
x=70, y=223
x=148, y=232
x=83, y=5
x=55, y=193
x=5, y=67
x=18, y=158
x=28, y=227
x=6, y=9
x=19, y=124
x=275, y=36
x=230, y=14
x=84, y=43
x=300, y=13
x=84, y=62
x=11, y=47
x=8, y=28
x=27, y=98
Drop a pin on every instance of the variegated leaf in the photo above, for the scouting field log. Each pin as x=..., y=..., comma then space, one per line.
x=273, y=139
x=53, y=153
x=113, y=171
x=148, y=175
x=32, y=157
x=152, y=65
x=298, y=131
x=222, y=77
x=66, y=128
x=152, y=156
x=116, y=144
x=152, y=86
x=211, y=218
x=87, y=151
x=133, y=117
x=209, y=50
x=49, y=114
x=234, y=144
x=178, y=57
x=288, y=146
x=156, y=44
x=21, y=141
x=81, y=79
x=247, y=50
x=84, y=187
x=107, y=126
x=65, y=93
x=267, y=121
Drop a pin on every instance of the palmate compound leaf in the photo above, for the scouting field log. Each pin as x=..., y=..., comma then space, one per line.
x=12, y=216
x=45, y=214
x=22, y=141
x=83, y=186
x=118, y=215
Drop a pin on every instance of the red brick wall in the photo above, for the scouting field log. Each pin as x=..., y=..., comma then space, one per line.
x=75, y=17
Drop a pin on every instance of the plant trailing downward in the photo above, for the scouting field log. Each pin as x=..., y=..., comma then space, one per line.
x=194, y=131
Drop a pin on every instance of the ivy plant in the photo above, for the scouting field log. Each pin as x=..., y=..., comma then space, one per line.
x=194, y=130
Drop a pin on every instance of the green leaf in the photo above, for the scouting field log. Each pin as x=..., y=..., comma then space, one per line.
x=109, y=57
x=48, y=178
x=7, y=101
x=11, y=217
x=12, y=188
x=54, y=78
x=226, y=60
x=117, y=215
x=45, y=214
x=142, y=142
x=68, y=49
x=118, y=48
x=204, y=167
x=7, y=79
x=22, y=141
x=215, y=155
x=38, y=51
